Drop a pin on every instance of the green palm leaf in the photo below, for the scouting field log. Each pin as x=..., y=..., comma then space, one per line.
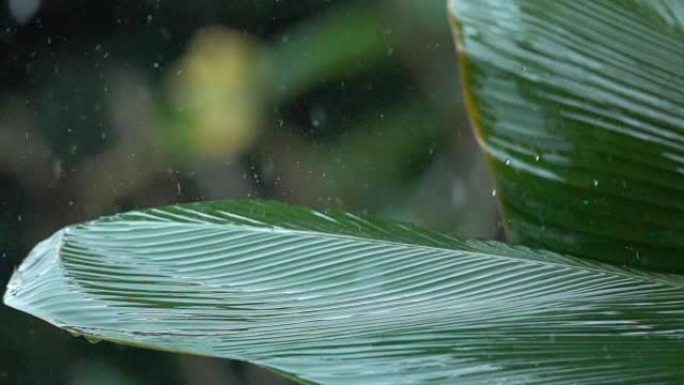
x=579, y=106
x=334, y=298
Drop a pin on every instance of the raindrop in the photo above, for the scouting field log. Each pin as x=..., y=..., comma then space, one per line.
x=493, y=192
x=18, y=218
x=317, y=115
x=537, y=157
x=508, y=162
x=155, y=65
x=595, y=183
x=57, y=169
x=179, y=190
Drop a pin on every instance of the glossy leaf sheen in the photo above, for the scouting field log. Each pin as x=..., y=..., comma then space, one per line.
x=579, y=106
x=334, y=298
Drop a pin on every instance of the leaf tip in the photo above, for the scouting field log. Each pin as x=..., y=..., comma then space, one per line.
x=26, y=279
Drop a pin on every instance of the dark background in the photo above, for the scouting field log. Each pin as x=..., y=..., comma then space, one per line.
x=108, y=106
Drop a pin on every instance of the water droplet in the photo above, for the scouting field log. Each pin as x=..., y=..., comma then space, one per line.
x=494, y=192
x=537, y=157
x=155, y=65
x=317, y=115
x=57, y=169
x=92, y=340
x=508, y=162
x=595, y=183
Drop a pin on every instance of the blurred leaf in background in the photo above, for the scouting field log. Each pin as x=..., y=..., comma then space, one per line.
x=115, y=105
x=217, y=93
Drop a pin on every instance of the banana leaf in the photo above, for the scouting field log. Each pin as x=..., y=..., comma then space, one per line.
x=334, y=298
x=580, y=110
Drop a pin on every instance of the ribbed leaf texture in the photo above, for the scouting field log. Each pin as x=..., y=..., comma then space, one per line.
x=579, y=106
x=334, y=298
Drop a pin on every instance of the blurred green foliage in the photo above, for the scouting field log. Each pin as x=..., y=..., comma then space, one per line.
x=108, y=106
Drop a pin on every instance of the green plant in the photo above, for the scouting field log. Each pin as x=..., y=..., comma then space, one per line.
x=583, y=133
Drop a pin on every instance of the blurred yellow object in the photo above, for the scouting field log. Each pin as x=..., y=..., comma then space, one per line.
x=217, y=93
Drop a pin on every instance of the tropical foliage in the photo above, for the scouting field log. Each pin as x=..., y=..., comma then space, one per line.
x=577, y=107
